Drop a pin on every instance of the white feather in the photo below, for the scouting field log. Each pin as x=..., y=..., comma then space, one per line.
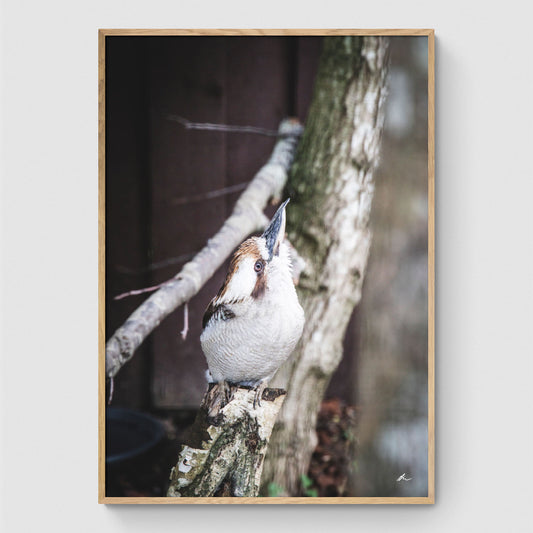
x=242, y=282
x=250, y=347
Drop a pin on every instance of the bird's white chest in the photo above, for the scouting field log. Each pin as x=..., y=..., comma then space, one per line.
x=251, y=346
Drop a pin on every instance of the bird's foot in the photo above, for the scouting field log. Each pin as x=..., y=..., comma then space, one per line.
x=259, y=393
x=218, y=397
x=227, y=391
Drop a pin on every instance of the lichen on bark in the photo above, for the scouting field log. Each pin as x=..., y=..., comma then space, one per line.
x=225, y=455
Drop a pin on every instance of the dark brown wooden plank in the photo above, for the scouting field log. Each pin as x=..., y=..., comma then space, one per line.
x=126, y=211
x=155, y=167
x=187, y=78
x=232, y=80
x=308, y=54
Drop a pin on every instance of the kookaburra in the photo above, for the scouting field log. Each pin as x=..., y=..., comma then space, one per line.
x=254, y=322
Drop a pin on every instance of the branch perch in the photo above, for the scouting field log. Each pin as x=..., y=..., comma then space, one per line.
x=225, y=455
x=246, y=218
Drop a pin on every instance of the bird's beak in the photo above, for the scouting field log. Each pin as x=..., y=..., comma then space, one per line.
x=275, y=232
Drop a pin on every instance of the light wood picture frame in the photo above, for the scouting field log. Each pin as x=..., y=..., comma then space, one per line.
x=118, y=128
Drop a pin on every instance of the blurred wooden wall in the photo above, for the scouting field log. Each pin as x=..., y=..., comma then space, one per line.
x=156, y=170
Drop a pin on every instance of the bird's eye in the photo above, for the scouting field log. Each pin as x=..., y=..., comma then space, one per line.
x=258, y=267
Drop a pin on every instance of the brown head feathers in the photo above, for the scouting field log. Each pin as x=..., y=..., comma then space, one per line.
x=248, y=248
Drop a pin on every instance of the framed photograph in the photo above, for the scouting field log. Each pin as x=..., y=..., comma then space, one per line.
x=266, y=266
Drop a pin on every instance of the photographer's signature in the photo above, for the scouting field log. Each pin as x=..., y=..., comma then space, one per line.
x=403, y=478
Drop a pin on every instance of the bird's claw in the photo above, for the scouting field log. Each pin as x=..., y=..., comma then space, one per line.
x=259, y=394
x=218, y=397
x=226, y=390
x=222, y=393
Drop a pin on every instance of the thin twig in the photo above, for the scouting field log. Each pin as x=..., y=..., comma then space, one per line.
x=157, y=265
x=185, y=329
x=221, y=127
x=184, y=257
x=141, y=291
x=209, y=195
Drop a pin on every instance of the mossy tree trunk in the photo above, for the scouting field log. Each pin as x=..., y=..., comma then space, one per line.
x=331, y=187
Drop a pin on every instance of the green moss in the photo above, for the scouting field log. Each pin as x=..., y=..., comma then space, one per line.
x=313, y=171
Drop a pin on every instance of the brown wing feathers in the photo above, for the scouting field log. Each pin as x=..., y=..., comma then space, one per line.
x=217, y=312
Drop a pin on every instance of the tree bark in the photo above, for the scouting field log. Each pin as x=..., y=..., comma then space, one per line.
x=331, y=187
x=225, y=454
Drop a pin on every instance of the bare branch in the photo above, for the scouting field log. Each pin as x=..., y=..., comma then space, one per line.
x=157, y=265
x=209, y=195
x=223, y=127
x=246, y=218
